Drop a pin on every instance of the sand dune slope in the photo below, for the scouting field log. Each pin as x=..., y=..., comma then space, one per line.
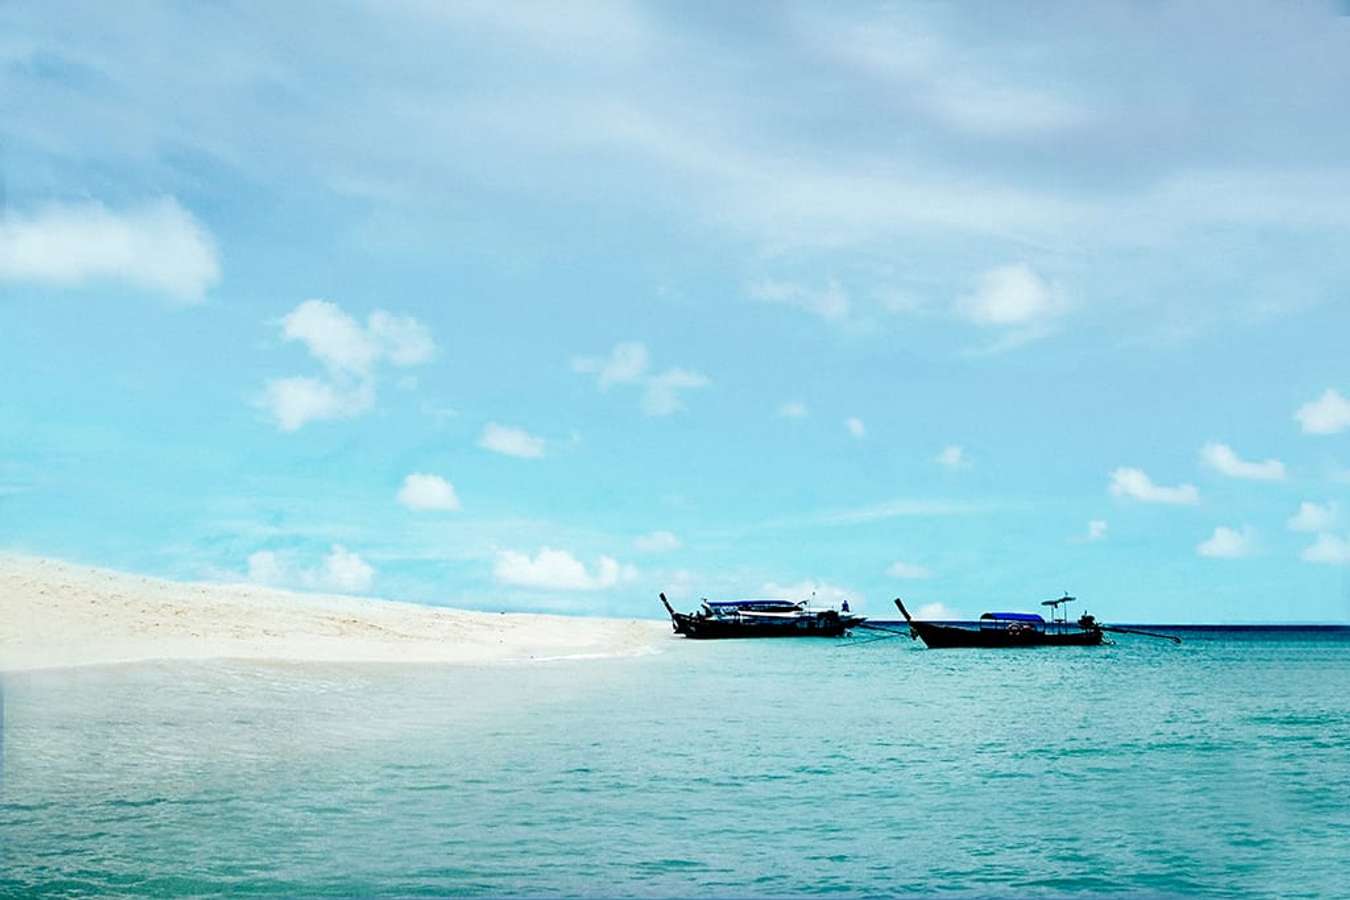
x=58, y=614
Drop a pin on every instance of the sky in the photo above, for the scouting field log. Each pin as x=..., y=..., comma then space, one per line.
x=552, y=306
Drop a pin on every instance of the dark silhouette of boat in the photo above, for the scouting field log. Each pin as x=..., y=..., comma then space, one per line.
x=1002, y=629
x=760, y=618
x=1012, y=629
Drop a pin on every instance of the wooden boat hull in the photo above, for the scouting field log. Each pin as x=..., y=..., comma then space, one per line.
x=941, y=637
x=701, y=628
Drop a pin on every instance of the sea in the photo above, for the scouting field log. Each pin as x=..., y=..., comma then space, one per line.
x=853, y=767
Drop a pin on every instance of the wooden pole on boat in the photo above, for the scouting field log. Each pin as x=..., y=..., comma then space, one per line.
x=666, y=604
x=904, y=612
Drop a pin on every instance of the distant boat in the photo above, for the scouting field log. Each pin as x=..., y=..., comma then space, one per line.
x=759, y=618
x=1015, y=629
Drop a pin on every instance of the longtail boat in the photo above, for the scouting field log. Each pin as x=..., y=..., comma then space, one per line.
x=1015, y=629
x=759, y=618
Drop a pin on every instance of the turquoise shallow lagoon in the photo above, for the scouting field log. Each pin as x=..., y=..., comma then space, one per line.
x=1221, y=767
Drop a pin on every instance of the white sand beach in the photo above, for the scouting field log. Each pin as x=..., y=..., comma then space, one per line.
x=55, y=614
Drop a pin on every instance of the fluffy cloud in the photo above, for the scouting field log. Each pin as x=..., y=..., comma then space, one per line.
x=331, y=336
x=1328, y=414
x=266, y=567
x=820, y=593
x=344, y=345
x=1227, y=543
x=829, y=302
x=657, y=542
x=350, y=353
x=856, y=427
x=294, y=401
x=1313, y=517
x=936, y=612
x=559, y=570
x=953, y=457
x=793, y=409
x=344, y=570
x=900, y=569
x=628, y=363
x=1096, y=530
x=1328, y=548
x=428, y=492
x=1011, y=296
x=1135, y=484
x=404, y=340
x=1223, y=459
x=341, y=570
x=511, y=441
x=158, y=246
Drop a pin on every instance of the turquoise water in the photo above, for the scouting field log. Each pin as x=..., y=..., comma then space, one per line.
x=1220, y=767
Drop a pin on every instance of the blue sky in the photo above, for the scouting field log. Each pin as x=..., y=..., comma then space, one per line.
x=547, y=306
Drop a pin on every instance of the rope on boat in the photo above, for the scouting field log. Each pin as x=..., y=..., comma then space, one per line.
x=890, y=633
x=1153, y=634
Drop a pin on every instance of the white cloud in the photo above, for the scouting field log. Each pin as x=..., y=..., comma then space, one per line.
x=1223, y=459
x=344, y=345
x=1227, y=543
x=1096, y=530
x=350, y=352
x=900, y=569
x=936, y=612
x=793, y=409
x=344, y=570
x=628, y=363
x=657, y=542
x=1134, y=483
x=294, y=401
x=558, y=570
x=158, y=246
x=662, y=396
x=953, y=457
x=820, y=593
x=829, y=302
x=265, y=567
x=855, y=427
x=511, y=441
x=1328, y=414
x=1328, y=548
x=1313, y=517
x=341, y=570
x=332, y=336
x=428, y=492
x=1011, y=296
x=406, y=341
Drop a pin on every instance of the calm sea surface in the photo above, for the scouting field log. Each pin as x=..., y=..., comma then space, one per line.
x=1220, y=767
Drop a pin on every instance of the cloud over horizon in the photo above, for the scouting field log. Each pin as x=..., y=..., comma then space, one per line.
x=558, y=570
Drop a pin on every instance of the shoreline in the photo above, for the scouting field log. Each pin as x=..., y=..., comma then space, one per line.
x=55, y=615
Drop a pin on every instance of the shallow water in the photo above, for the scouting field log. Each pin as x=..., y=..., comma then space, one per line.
x=1219, y=767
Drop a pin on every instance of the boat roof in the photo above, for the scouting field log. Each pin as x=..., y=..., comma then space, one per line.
x=1013, y=617
x=770, y=601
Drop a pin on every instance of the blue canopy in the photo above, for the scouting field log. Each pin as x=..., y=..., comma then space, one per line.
x=1014, y=617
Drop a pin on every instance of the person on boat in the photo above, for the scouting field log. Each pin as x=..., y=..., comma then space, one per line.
x=843, y=607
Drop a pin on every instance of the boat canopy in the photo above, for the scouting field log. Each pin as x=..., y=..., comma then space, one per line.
x=1013, y=617
x=743, y=604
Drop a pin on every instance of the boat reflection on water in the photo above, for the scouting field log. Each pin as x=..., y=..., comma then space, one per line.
x=760, y=618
